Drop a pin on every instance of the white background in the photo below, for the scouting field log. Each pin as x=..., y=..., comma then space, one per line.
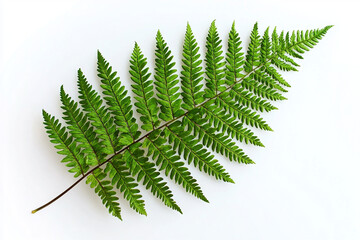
x=305, y=184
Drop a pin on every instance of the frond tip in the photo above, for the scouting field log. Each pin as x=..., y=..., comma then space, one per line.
x=183, y=119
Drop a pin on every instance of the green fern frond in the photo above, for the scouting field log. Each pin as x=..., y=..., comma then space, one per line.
x=234, y=57
x=121, y=178
x=244, y=114
x=218, y=142
x=66, y=145
x=215, y=63
x=260, y=90
x=191, y=76
x=253, y=52
x=81, y=129
x=224, y=122
x=105, y=191
x=276, y=76
x=169, y=161
x=166, y=81
x=119, y=103
x=146, y=171
x=146, y=102
x=265, y=50
x=188, y=146
x=246, y=98
x=262, y=78
x=187, y=119
x=97, y=113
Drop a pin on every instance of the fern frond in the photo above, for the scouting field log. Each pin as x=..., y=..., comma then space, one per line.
x=166, y=81
x=259, y=89
x=246, y=98
x=97, y=113
x=234, y=67
x=265, y=51
x=105, y=191
x=65, y=143
x=121, y=178
x=215, y=70
x=80, y=129
x=253, y=52
x=83, y=134
x=266, y=80
x=218, y=142
x=301, y=42
x=191, y=76
x=146, y=171
x=188, y=146
x=224, y=122
x=104, y=133
x=146, y=103
x=276, y=76
x=234, y=57
x=244, y=114
x=169, y=161
x=119, y=103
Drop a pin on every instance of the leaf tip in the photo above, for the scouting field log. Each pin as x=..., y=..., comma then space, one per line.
x=230, y=180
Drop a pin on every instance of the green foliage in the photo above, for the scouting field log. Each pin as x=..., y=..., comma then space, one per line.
x=146, y=102
x=184, y=121
x=170, y=162
x=166, y=81
x=145, y=170
x=215, y=71
x=121, y=178
x=65, y=143
x=119, y=103
x=105, y=191
x=192, y=73
x=234, y=57
x=98, y=115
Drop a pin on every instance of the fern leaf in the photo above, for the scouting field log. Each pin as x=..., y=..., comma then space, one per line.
x=104, y=131
x=65, y=143
x=234, y=67
x=215, y=63
x=266, y=80
x=104, y=189
x=218, y=142
x=265, y=51
x=234, y=57
x=81, y=130
x=191, y=76
x=169, y=161
x=121, y=178
x=193, y=152
x=146, y=171
x=146, y=103
x=242, y=113
x=253, y=53
x=294, y=46
x=246, y=98
x=118, y=101
x=259, y=89
x=276, y=76
x=303, y=42
x=223, y=122
x=166, y=81
x=282, y=65
x=98, y=114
